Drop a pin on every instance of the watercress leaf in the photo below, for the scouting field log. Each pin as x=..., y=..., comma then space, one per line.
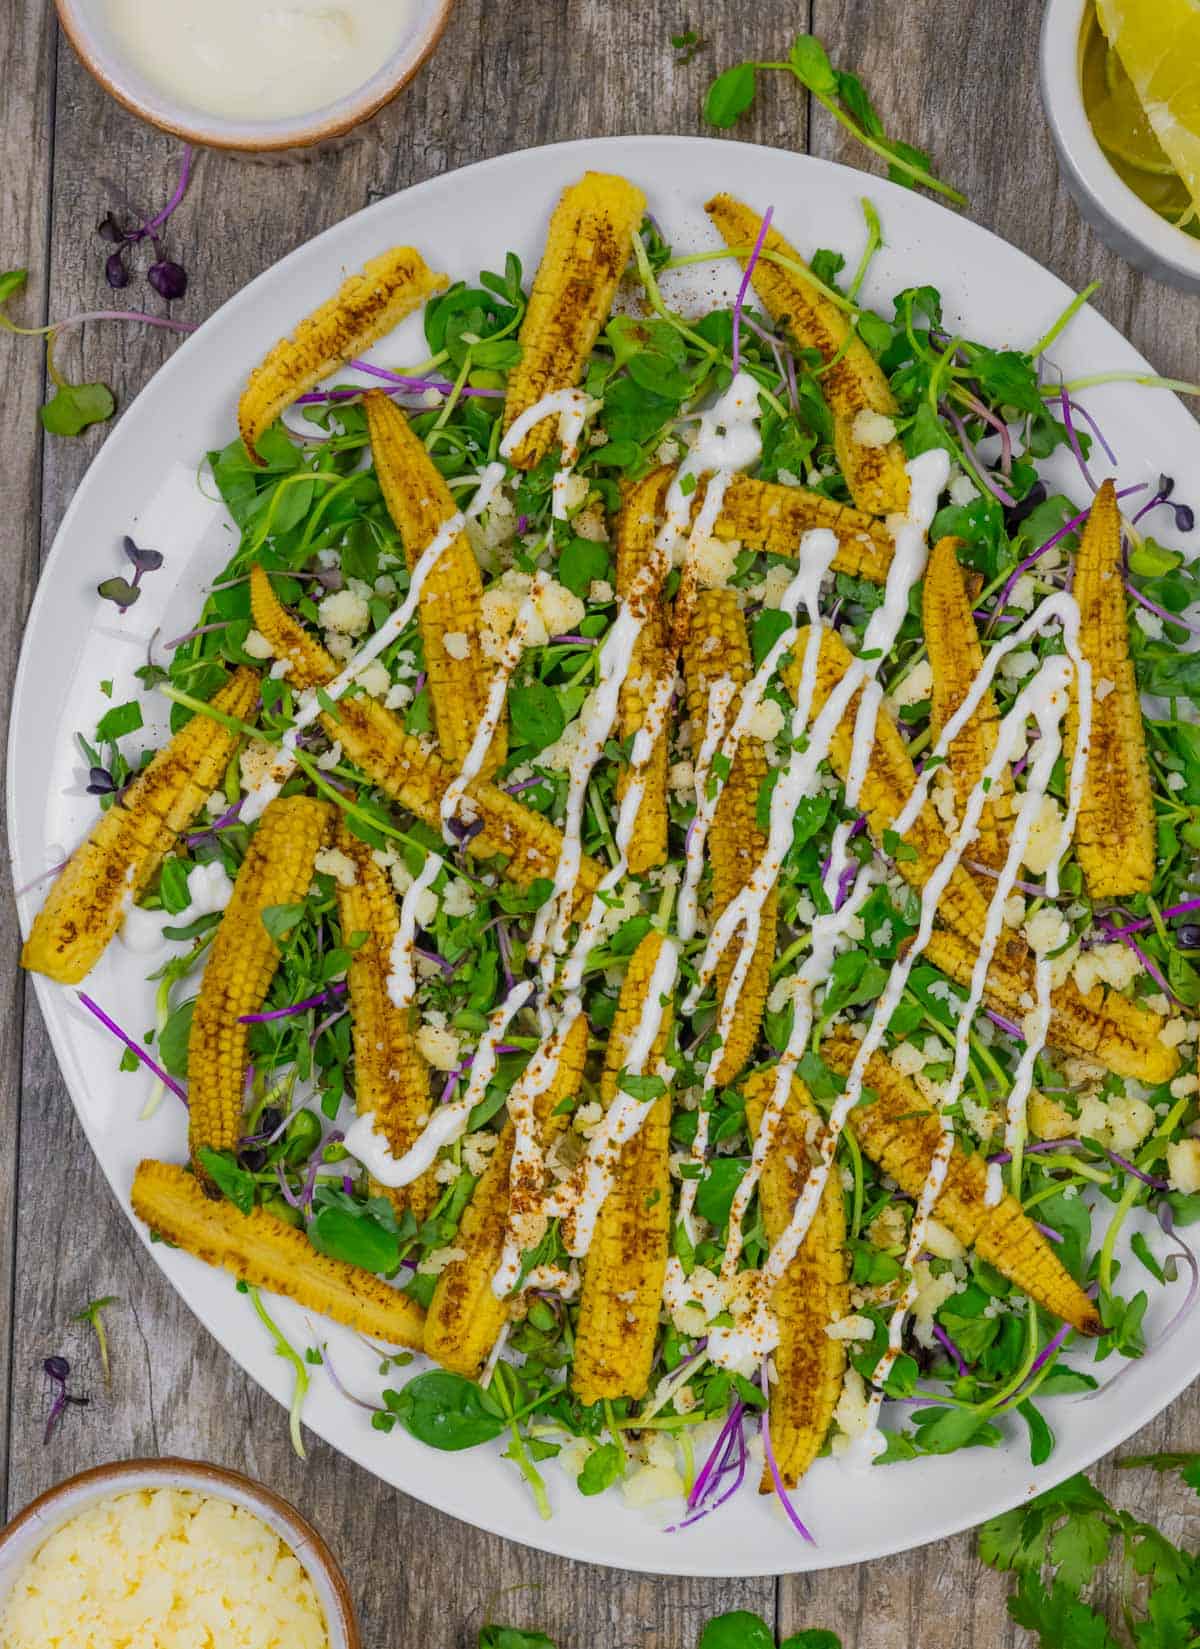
x=537, y=717
x=173, y=886
x=508, y=1637
x=1041, y=1438
x=73, y=407
x=814, y=1637
x=739, y=1630
x=227, y=1174
x=730, y=95
x=602, y=1468
x=580, y=563
x=173, y=1040
x=715, y=1193
x=641, y=1088
x=766, y=631
x=446, y=1411
x=117, y=722
x=12, y=281
x=811, y=66
x=279, y=920
x=355, y=1237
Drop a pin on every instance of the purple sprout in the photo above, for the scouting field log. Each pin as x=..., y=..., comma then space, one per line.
x=123, y=592
x=977, y=464
x=168, y=278
x=1185, y=515
x=745, y=287
x=58, y=1371
x=316, y=1001
x=951, y=1350
x=135, y=1048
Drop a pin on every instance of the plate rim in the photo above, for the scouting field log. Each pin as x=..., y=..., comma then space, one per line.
x=47, y=993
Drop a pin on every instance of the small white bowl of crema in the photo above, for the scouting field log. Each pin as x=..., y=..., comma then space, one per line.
x=254, y=75
x=169, y=1552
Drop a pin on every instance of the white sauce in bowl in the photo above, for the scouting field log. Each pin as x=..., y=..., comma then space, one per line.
x=258, y=59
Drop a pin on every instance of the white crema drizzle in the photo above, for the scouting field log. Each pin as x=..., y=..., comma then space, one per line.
x=311, y=703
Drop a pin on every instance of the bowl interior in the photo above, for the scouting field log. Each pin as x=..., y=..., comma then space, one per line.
x=88, y=24
x=31, y=1528
x=1081, y=154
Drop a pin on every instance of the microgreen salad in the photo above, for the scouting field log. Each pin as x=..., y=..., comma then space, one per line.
x=770, y=1142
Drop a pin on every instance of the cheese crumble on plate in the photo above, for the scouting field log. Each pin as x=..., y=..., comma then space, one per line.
x=163, y=1569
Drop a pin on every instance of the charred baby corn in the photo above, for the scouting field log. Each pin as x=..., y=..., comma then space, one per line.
x=766, y=515
x=900, y=1132
x=268, y=1253
x=853, y=382
x=627, y=1260
x=956, y=658
x=813, y=1292
x=365, y=307
x=374, y=740
x=890, y=781
x=1103, y=1025
x=1115, y=837
x=277, y=870
x=122, y=852
x=451, y=605
x=636, y=527
x=391, y=1080
x=465, y=1316
x=587, y=247
x=717, y=647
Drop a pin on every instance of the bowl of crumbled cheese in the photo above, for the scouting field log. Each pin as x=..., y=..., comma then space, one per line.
x=164, y=1553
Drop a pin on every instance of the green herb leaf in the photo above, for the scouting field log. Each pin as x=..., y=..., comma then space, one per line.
x=356, y=1237
x=117, y=722
x=602, y=1468
x=233, y=1181
x=739, y=1630
x=279, y=920
x=73, y=407
x=445, y=1411
x=537, y=717
x=730, y=95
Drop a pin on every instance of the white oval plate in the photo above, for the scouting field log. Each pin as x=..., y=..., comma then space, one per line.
x=144, y=483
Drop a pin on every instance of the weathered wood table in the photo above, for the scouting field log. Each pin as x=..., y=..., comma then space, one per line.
x=957, y=78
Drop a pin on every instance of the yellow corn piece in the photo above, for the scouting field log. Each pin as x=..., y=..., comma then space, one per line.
x=1115, y=836
x=260, y=1249
x=451, y=603
x=889, y=783
x=391, y=1080
x=813, y=1292
x=717, y=647
x=365, y=308
x=627, y=1261
x=899, y=1130
x=1103, y=1025
x=465, y=1317
x=374, y=740
x=852, y=382
x=587, y=247
x=277, y=870
x=766, y=515
x=956, y=658
x=636, y=527
x=124, y=848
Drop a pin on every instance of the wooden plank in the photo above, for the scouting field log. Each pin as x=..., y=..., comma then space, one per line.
x=26, y=135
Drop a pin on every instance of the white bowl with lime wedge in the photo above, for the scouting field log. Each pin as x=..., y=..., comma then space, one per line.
x=1132, y=187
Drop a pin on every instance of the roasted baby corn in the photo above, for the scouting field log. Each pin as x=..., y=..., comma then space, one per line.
x=419, y=502
x=268, y=1253
x=391, y=1080
x=813, y=1292
x=956, y=658
x=365, y=308
x=853, y=384
x=889, y=783
x=1103, y=1025
x=717, y=647
x=587, y=247
x=636, y=527
x=373, y=739
x=627, y=1260
x=1115, y=836
x=277, y=870
x=126, y=845
x=900, y=1132
x=465, y=1317
x=766, y=515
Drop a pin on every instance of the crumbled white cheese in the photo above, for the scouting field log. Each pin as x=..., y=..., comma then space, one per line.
x=1044, y=839
x=331, y=861
x=872, y=429
x=457, y=898
x=767, y=721
x=456, y=644
x=257, y=645
x=345, y=613
x=1016, y=666
x=439, y=1047
x=963, y=490
x=374, y=681
x=1046, y=931
x=1112, y=964
x=714, y=560
x=1149, y=623
x=436, y=1261
x=1183, y=1165
x=163, y=1567
x=917, y=685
